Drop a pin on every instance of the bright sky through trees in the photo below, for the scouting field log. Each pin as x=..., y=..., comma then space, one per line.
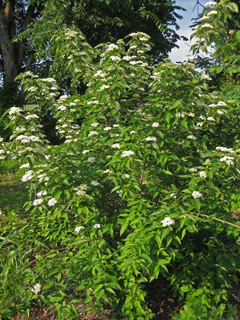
x=179, y=55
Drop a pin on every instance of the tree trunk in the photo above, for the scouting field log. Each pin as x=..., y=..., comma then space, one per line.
x=13, y=54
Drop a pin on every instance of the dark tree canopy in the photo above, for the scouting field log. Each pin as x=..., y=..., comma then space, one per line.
x=99, y=20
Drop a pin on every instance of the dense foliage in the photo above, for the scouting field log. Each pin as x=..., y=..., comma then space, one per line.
x=145, y=183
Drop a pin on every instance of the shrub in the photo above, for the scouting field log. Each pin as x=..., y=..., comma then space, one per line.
x=145, y=186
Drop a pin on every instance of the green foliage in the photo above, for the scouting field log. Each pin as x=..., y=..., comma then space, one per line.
x=145, y=185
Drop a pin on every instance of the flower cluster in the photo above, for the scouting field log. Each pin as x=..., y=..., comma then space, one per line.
x=167, y=222
x=28, y=176
x=52, y=202
x=127, y=154
x=78, y=229
x=37, y=288
x=228, y=160
x=223, y=149
x=196, y=194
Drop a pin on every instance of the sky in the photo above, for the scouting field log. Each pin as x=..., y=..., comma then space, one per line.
x=179, y=55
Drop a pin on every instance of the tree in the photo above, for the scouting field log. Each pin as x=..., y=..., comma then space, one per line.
x=15, y=17
x=100, y=21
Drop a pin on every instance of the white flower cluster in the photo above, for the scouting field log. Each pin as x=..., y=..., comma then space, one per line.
x=107, y=128
x=210, y=119
x=167, y=222
x=31, y=116
x=223, y=149
x=15, y=110
x=91, y=159
x=151, y=139
x=85, y=151
x=95, y=183
x=80, y=191
x=97, y=226
x=52, y=202
x=37, y=288
x=37, y=202
x=91, y=133
x=210, y=4
x=228, y=160
x=196, y=194
x=119, y=192
x=94, y=124
x=191, y=137
x=116, y=146
x=25, y=165
x=78, y=229
x=212, y=13
x=26, y=139
x=41, y=193
x=27, y=176
x=203, y=174
x=127, y=154
x=155, y=124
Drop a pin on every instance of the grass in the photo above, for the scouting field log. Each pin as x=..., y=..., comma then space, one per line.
x=13, y=193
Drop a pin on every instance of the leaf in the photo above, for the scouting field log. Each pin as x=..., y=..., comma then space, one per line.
x=124, y=227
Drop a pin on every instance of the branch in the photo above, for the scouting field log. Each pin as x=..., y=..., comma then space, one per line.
x=213, y=218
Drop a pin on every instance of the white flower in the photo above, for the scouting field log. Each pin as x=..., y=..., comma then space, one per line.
x=220, y=111
x=94, y=124
x=97, y=226
x=203, y=174
x=37, y=288
x=199, y=124
x=41, y=193
x=15, y=110
x=77, y=229
x=103, y=87
x=204, y=18
x=25, y=165
x=222, y=104
x=228, y=160
x=207, y=25
x=212, y=13
x=116, y=146
x=212, y=105
x=111, y=47
x=115, y=58
x=62, y=108
x=191, y=137
x=173, y=195
x=202, y=117
x=91, y=159
x=95, y=183
x=37, y=202
x=107, y=171
x=28, y=176
x=223, y=149
x=155, y=124
x=127, y=153
x=131, y=132
x=91, y=133
x=85, y=151
x=119, y=192
x=107, y=128
x=167, y=222
x=196, y=194
x=180, y=114
x=210, y=4
x=151, y=139
x=52, y=202
x=116, y=125
x=191, y=114
x=210, y=119
x=31, y=116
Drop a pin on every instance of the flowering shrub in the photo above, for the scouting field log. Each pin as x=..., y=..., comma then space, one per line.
x=112, y=207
